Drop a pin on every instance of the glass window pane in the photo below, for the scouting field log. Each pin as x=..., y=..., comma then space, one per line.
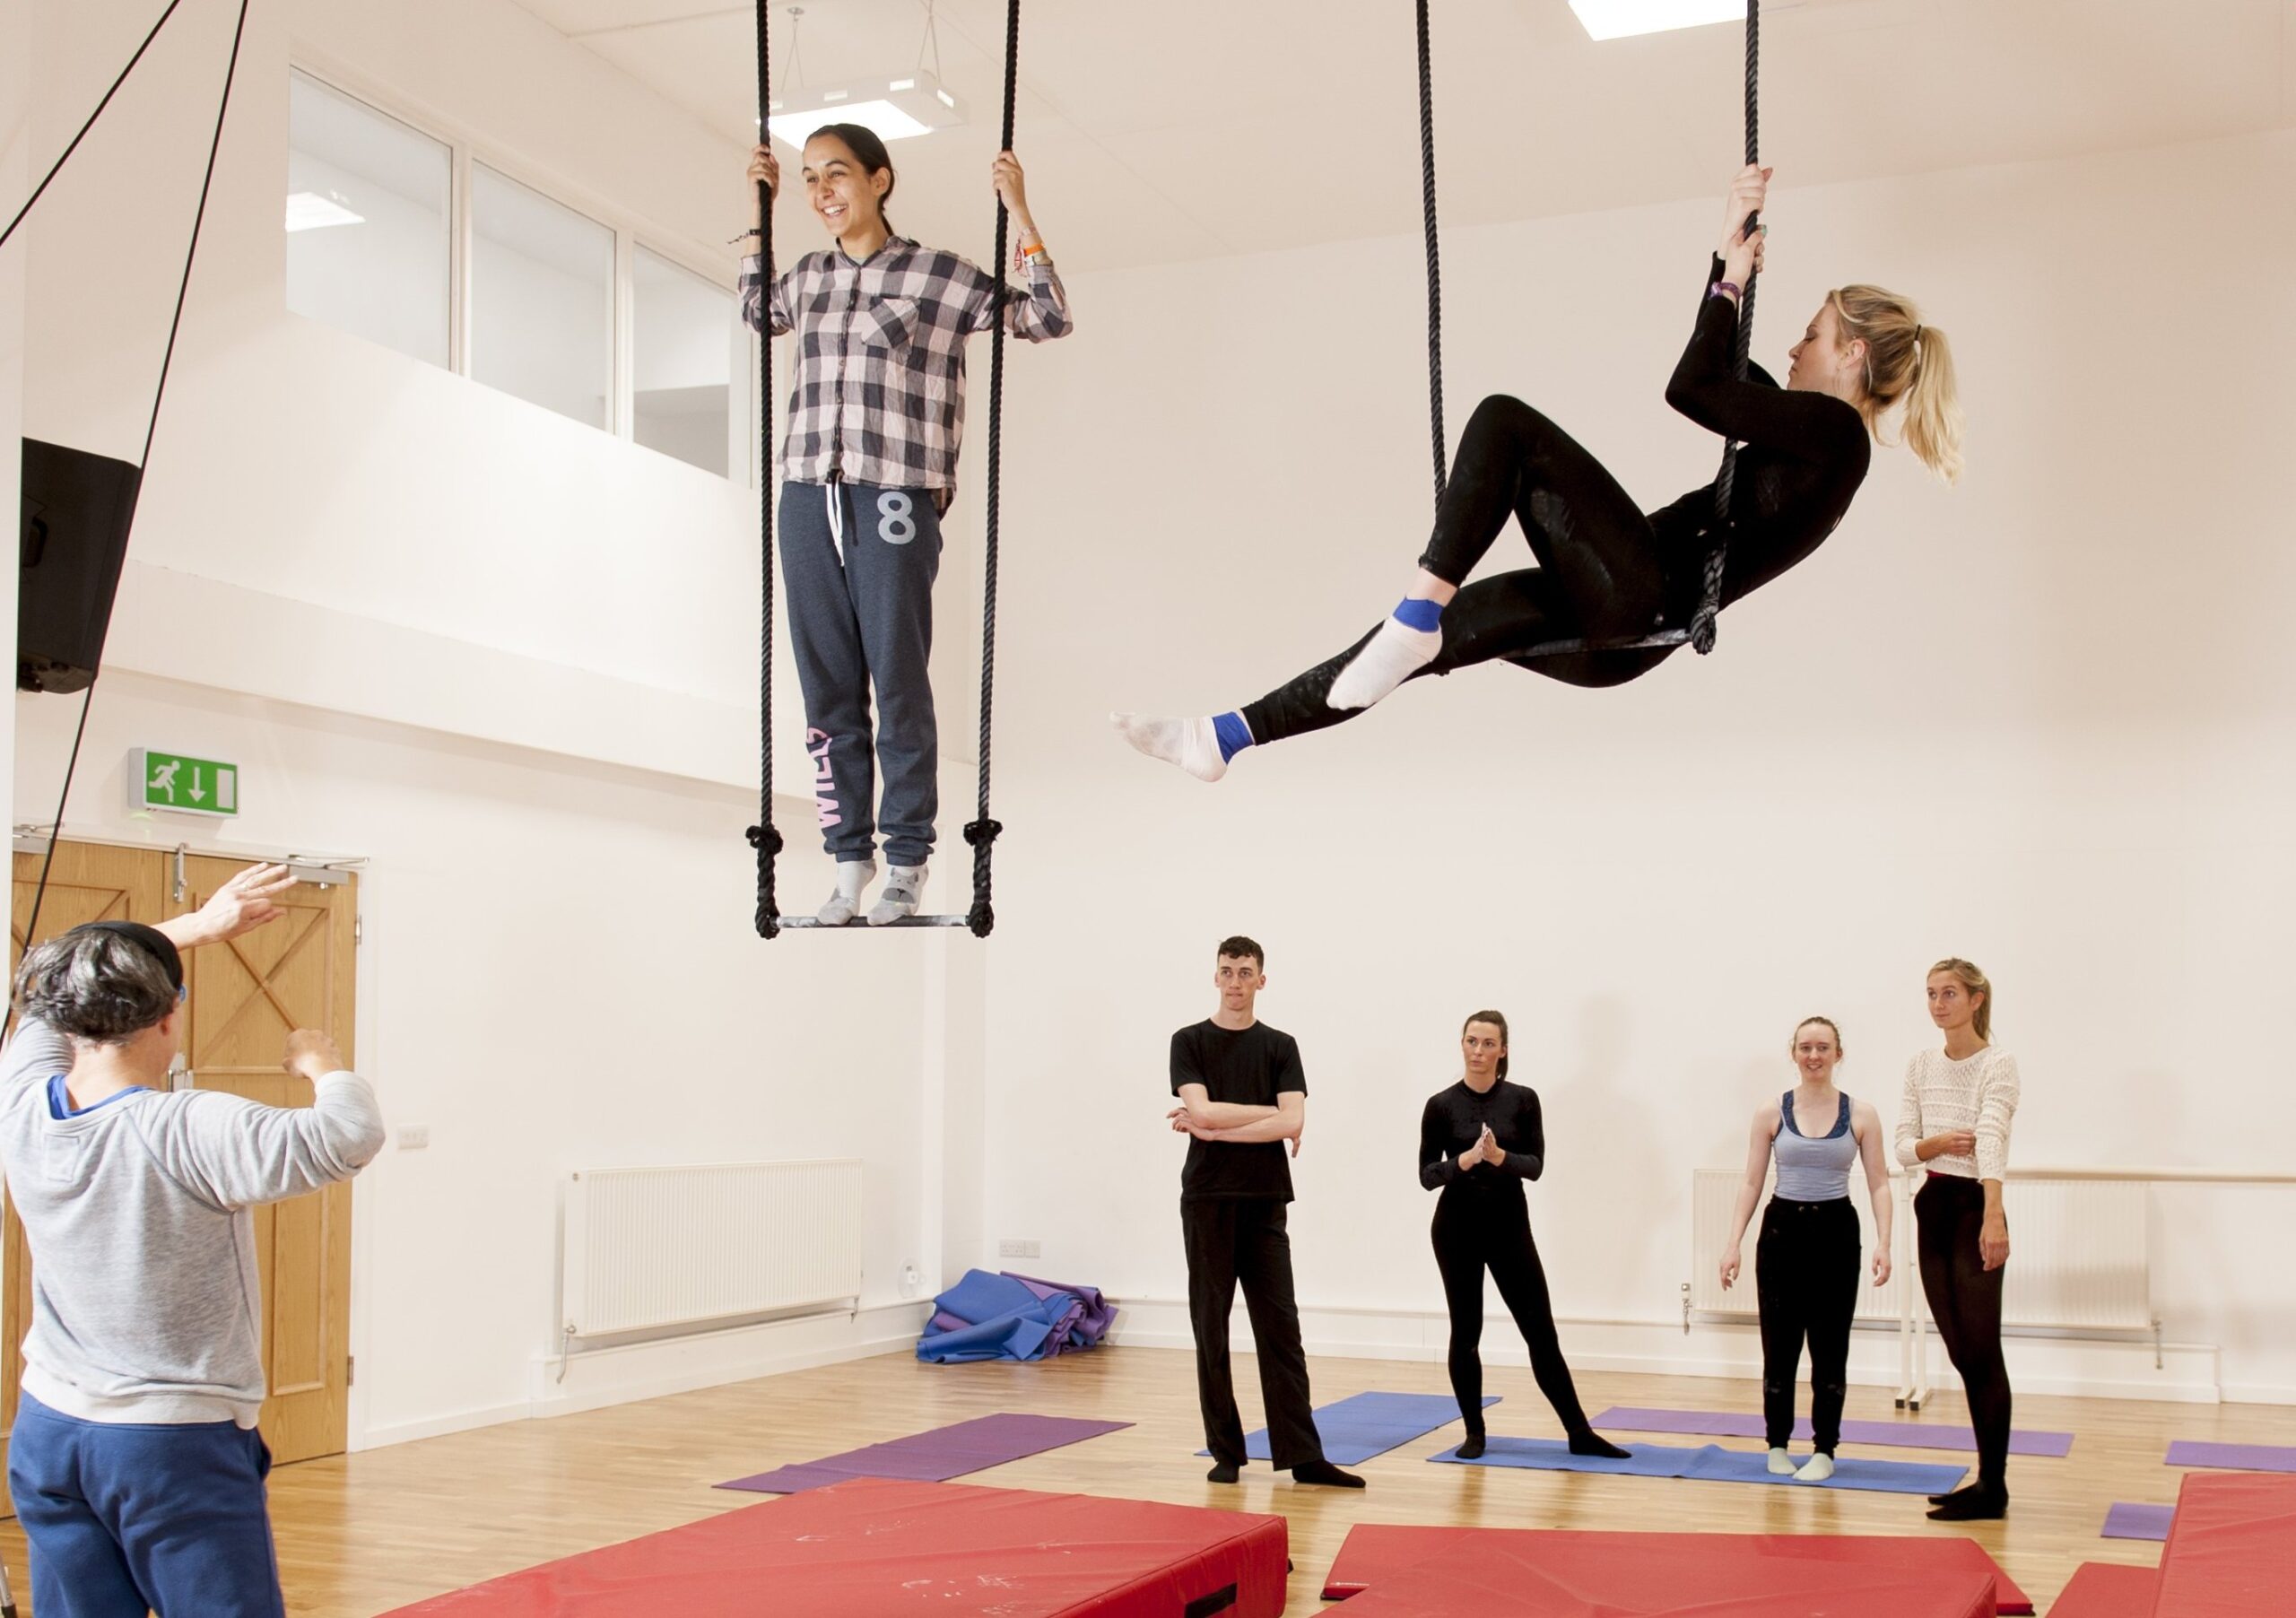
x=689, y=346
x=541, y=298
x=368, y=213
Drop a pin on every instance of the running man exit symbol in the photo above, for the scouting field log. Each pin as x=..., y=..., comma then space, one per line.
x=182, y=784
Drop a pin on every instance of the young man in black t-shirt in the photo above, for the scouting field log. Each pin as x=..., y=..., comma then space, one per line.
x=1242, y=1095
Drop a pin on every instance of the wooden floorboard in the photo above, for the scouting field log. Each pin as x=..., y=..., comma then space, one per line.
x=360, y=1534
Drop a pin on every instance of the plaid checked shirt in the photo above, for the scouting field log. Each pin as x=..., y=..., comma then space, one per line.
x=879, y=395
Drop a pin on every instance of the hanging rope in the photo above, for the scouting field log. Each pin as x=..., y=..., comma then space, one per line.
x=1434, y=260
x=152, y=429
x=981, y=832
x=58, y=166
x=1710, y=602
x=763, y=837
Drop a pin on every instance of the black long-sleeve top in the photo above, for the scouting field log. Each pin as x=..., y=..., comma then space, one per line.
x=1453, y=1123
x=1805, y=454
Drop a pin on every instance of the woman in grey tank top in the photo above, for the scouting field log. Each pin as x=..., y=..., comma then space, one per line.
x=1806, y=1262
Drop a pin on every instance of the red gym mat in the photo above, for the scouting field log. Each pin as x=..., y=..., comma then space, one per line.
x=876, y=1546
x=2232, y=1549
x=1532, y=1576
x=1376, y=1556
x=2106, y=1589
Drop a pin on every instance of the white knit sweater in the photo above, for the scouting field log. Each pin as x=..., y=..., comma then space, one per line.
x=1977, y=1093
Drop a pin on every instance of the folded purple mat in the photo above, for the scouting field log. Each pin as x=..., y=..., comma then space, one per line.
x=935, y=1457
x=2126, y=1521
x=1901, y=1435
x=2232, y=1457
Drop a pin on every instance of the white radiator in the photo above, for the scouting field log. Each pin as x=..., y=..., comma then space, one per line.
x=2080, y=1256
x=647, y=1248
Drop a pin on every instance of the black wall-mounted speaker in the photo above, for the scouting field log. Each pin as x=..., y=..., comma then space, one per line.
x=77, y=509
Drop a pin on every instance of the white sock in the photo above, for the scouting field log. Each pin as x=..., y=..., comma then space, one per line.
x=904, y=888
x=1394, y=652
x=1780, y=1462
x=1191, y=743
x=853, y=875
x=1816, y=1469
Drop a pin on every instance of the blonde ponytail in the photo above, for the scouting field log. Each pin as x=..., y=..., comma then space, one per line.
x=1909, y=362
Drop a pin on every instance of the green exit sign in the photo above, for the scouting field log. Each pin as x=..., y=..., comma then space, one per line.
x=181, y=784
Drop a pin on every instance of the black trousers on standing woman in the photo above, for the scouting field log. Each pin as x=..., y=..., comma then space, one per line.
x=1965, y=1301
x=1476, y=1234
x=1805, y=1275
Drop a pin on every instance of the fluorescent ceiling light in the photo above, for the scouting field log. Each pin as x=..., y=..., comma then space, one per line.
x=895, y=108
x=1616, y=18
x=308, y=211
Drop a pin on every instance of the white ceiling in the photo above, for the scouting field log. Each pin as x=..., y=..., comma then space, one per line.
x=1190, y=128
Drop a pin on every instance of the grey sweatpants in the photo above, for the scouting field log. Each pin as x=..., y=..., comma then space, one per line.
x=860, y=564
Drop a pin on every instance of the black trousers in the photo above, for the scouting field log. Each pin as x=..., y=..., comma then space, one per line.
x=1598, y=575
x=1805, y=1274
x=1242, y=1238
x=1965, y=1301
x=1470, y=1236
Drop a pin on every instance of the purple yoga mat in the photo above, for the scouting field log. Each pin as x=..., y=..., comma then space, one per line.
x=1901, y=1435
x=2232, y=1457
x=2126, y=1521
x=935, y=1457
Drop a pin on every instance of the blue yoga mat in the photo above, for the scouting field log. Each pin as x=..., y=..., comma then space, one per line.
x=1366, y=1424
x=1714, y=1464
x=2126, y=1521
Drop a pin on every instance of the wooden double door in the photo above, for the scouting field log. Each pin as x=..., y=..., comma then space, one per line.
x=296, y=973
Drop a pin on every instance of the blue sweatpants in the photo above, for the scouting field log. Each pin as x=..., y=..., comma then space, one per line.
x=125, y=1520
x=860, y=564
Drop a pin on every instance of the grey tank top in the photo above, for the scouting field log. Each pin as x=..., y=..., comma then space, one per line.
x=1812, y=1169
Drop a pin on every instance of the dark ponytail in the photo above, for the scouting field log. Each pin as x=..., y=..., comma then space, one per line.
x=870, y=152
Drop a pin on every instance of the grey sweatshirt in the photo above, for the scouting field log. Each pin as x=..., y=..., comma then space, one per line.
x=145, y=1302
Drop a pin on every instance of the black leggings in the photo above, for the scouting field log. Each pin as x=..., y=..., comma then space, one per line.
x=1805, y=1274
x=1468, y=1239
x=1598, y=575
x=1965, y=1301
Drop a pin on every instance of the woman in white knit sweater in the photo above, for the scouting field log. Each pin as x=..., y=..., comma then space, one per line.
x=1955, y=1119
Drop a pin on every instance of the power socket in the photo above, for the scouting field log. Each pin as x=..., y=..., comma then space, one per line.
x=1016, y=1247
x=414, y=1137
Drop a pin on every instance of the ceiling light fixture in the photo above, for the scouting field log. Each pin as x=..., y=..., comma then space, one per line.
x=893, y=105
x=308, y=211
x=1617, y=19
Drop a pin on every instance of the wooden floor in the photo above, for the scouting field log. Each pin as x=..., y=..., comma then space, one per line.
x=360, y=1534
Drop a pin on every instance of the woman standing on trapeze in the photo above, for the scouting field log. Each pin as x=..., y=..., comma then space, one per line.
x=1607, y=573
x=1805, y=1260
x=868, y=467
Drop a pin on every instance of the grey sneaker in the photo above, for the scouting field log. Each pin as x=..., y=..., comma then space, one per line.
x=904, y=888
x=852, y=877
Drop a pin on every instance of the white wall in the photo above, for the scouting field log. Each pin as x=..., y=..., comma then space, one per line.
x=2040, y=720
x=16, y=178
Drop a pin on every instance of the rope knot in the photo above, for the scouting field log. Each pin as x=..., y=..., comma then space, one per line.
x=983, y=833
x=766, y=840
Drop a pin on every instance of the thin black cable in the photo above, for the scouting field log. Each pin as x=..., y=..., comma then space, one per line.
x=58, y=167
x=1710, y=603
x=982, y=831
x=1434, y=262
x=763, y=837
x=167, y=361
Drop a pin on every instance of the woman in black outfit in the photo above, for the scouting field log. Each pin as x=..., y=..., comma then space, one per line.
x=1606, y=572
x=1478, y=1142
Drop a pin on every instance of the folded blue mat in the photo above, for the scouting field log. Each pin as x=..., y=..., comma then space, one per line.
x=986, y=1317
x=1355, y=1429
x=1715, y=1464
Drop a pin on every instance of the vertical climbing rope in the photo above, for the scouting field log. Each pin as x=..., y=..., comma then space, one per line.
x=1701, y=623
x=764, y=838
x=1434, y=262
x=981, y=832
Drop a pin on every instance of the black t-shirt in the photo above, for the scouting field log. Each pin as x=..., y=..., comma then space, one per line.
x=1244, y=1067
